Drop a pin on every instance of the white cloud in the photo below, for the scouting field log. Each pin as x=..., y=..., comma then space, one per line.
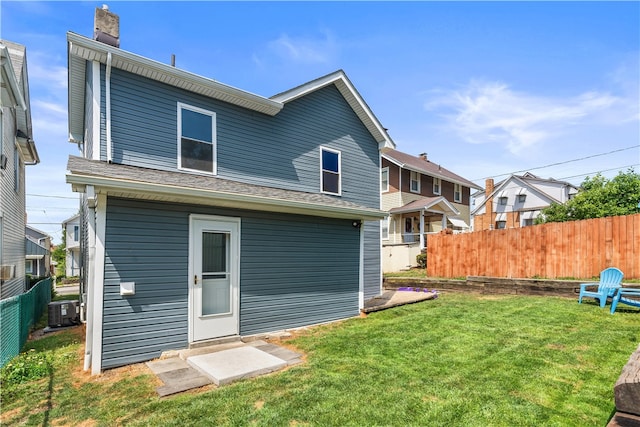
x=303, y=50
x=484, y=112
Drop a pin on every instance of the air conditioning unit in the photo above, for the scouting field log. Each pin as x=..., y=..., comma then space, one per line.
x=64, y=313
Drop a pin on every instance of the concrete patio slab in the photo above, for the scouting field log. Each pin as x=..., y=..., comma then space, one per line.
x=177, y=376
x=226, y=366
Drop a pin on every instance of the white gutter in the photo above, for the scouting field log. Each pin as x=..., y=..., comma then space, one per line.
x=235, y=200
x=107, y=84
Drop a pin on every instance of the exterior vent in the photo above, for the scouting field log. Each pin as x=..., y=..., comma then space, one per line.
x=64, y=313
x=106, y=27
x=7, y=272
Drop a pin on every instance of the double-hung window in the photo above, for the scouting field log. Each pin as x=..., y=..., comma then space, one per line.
x=436, y=185
x=457, y=193
x=196, y=139
x=330, y=171
x=414, y=182
x=384, y=180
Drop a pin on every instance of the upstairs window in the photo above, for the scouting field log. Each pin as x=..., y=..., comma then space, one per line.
x=457, y=193
x=503, y=200
x=436, y=186
x=76, y=233
x=522, y=198
x=330, y=177
x=384, y=180
x=385, y=228
x=196, y=139
x=414, y=182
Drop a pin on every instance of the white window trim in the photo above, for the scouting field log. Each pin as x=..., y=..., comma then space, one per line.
x=383, y=171
x=457, y=190
x=411, y=181
x=385, y=222
x=214, y=138
x=331, y=150
x=437, y=183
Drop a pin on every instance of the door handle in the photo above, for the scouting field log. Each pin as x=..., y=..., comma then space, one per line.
x=195, y=279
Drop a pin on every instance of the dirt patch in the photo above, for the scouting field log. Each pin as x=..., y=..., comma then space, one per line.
x=6, y=416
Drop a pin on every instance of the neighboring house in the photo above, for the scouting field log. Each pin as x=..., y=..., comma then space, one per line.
x=17, y=150
x=421, y=197
x=517, y=201
x=38, y=252
x=73, y=261
x=213, y=212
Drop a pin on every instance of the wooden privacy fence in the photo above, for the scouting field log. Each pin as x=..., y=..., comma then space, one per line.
x=574, y=249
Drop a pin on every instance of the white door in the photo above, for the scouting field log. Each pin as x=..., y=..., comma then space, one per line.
x=214, y=277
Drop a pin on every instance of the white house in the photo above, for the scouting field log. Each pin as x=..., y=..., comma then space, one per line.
x=517, y=201
x=71, y=228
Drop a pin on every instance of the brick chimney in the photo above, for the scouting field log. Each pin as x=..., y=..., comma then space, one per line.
x=106, y=27
x=423, y=156
x=488, y=189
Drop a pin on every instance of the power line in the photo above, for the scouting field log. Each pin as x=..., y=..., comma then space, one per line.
x=562, y=163
x=597, y=172
x=54, y=197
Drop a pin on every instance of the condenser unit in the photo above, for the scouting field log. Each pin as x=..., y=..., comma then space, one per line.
x=64, y=313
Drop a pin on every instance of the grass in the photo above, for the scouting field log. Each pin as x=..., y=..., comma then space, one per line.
x=460, y=360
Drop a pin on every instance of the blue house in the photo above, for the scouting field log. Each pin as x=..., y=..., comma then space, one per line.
x=211, y=212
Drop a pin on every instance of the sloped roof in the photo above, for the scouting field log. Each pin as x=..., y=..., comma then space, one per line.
x=131, y=181
x=349, y=92
x=527, y=181
x=426, y=167
x=439, y=203
x=82, y=49
x=14, y=75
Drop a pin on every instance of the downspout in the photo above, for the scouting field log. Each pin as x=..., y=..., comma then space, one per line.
x=399, y=203
x=107, y=84
x=90, y=273
x=422, y=242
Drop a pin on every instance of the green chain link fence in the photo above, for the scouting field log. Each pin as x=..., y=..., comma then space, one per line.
x=18, y=314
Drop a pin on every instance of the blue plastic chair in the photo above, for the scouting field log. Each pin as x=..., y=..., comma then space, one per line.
x=610, y=282
x=622, y=296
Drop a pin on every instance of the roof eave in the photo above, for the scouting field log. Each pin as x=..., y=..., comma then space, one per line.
x=219, y=198
x=85, y=49
x=351, y=95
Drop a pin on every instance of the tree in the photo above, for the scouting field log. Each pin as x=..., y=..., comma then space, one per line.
x=599, y=197
x=59, y=255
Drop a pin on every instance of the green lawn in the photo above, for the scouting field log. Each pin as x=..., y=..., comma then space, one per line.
x=460, y=360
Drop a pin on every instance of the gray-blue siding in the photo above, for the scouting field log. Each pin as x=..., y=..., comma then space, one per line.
x=372, y=260
x=280, y=151
x=295, y=270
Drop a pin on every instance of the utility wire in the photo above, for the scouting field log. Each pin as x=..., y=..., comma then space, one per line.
x=597, y=172
x=55, y=197
x=562, y=163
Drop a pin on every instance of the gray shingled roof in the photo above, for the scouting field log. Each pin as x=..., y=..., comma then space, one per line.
x=132, y=178
x=427, y=167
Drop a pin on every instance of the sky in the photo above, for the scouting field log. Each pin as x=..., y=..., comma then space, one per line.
x=486, y=89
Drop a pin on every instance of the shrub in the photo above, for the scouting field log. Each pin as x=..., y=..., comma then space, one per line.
x=25, y=367
x=421, y=259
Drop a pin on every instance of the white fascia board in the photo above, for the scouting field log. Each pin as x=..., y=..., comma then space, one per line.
x=93, y=50
x=219, y=198
x=349, y=92
x=14, y=86
x=535, y=189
